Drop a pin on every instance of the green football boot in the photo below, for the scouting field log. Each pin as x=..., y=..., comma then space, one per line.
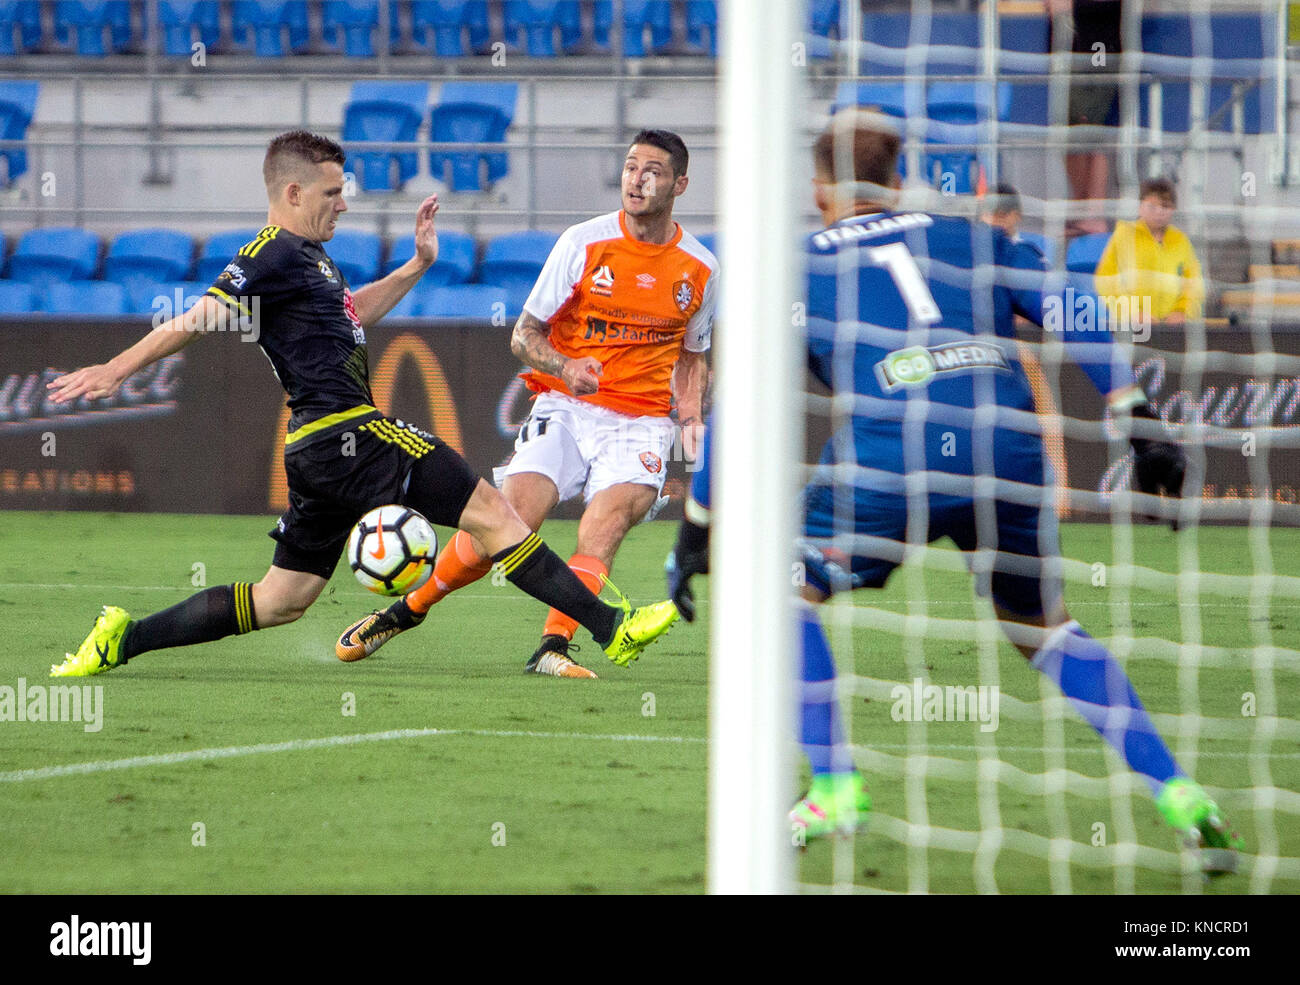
x=639, y=628
x=101, y=650
x=1189, y=810
x=836, y=804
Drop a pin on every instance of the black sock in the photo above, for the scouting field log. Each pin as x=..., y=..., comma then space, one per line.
x=209, y=615
x=540, y=572
x=406, y=617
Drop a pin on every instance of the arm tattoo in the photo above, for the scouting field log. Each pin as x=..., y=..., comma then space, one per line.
x=531, y=345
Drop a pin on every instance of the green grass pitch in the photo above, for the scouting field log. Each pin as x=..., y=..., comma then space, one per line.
x=531, y=784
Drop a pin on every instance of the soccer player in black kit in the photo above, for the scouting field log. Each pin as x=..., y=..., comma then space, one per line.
x=312, y=328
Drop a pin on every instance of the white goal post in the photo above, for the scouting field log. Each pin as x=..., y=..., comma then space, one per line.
x=759, y=403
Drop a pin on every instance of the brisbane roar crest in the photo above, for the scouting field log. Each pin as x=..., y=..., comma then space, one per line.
x=652, y=462
x=683, y=294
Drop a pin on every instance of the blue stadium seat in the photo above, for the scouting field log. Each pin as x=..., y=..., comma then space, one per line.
x=967, y=102
x=356, y=253
x=894, y=98
x=138, y=260
x=20, y=26
x=54, y=253
x=824, y=18
x=17, y=298
x=471, y=112
x=272, y=27
x=578, y=35
x=956, y=30
x=1025, y=35
x=515, y=259
x=640, y=17
x=467, y=301
x=1227, y=36
x=702, y=24
x=536, y=22
x=99, y=298
x=953, y=172
x=160, y=254
x=184, y=22
x=218, y=251
x=160, y=298
x=99, y=27
x=408, y=307
x=957, y=112
x=1046, y=247
x=387, y=111
x=353, y=23
x=455, y=258
x=460, y=27
x=1082, y=254
x=17, y=107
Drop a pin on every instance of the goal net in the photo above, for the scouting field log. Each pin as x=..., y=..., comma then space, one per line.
x=983, y=776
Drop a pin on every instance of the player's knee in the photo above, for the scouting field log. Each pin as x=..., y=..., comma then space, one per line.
x=490, y=519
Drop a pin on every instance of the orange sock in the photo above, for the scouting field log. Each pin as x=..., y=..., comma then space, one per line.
x=589, y=571
x=458, y=565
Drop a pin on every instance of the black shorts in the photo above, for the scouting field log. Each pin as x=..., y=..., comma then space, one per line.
x=348, y=470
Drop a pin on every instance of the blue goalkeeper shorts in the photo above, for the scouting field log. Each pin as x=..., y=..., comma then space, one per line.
x=1025, y=577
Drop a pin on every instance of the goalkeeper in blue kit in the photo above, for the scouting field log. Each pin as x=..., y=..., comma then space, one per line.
x=915, y=311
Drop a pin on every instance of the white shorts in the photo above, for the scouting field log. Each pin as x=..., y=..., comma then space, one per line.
x=584, y=448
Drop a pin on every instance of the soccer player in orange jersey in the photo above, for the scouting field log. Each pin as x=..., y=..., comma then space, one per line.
x=619, y=322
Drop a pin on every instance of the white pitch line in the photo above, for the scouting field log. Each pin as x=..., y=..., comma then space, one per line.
x=297, y=745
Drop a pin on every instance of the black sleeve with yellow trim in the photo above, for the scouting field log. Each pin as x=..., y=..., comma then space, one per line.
x=267, y=268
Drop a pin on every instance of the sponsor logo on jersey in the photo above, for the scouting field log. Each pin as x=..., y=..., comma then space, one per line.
x=652, y=462
x=235, y=275
x=602, y=282
x=683, y=294
x=646, y=281
x=327, y=271
x=918, y=365
x=350, y=309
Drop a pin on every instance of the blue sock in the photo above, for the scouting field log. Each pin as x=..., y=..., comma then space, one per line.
x=819, y=719
x=1099, y=690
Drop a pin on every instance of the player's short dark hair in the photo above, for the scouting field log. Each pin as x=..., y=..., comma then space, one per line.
x=1003, y=200
x=287, y=153
x=875, y=145
x=669, y=142
x=1158, y=186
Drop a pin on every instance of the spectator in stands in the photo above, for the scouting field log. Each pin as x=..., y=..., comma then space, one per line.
x=1002, y=209
x=1153, y=258
x=1096, y=31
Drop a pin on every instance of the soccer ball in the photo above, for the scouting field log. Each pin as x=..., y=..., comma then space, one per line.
x=392, y=550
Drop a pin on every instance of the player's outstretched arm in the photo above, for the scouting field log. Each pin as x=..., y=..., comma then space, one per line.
x=530, y=342
x=377, y=299
x=171, y=336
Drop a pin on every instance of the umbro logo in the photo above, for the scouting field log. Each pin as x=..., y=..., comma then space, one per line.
x=645, y=280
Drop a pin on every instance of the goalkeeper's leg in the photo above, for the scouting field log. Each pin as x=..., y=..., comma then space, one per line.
x=837, y=800
x=1099, y=690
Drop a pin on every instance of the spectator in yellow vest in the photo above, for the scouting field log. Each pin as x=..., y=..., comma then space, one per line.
x=1152, y=258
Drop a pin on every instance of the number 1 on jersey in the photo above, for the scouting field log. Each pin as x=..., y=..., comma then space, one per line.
x=898, y=260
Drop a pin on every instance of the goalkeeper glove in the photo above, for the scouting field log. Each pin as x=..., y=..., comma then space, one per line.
x=1159, y=466
x=689, y=556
